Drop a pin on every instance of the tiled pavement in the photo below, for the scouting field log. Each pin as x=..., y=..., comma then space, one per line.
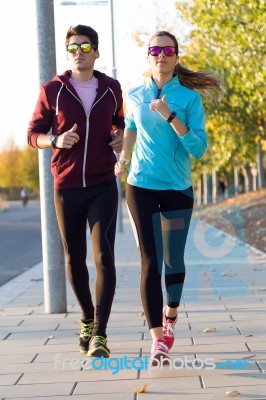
x=225, y=291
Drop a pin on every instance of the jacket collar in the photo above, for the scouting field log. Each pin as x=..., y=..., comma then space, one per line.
x=172, y=84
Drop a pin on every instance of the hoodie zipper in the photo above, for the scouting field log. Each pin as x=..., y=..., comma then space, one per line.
x=85, y=153
x=87, y=139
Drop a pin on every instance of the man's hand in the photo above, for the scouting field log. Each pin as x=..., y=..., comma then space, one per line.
x=68, y=139
x=117, y=140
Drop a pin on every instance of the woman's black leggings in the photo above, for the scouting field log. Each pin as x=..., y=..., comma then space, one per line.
x=97, y=206
x=161, y=220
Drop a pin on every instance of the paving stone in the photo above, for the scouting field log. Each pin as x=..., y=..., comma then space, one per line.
x=30, y=391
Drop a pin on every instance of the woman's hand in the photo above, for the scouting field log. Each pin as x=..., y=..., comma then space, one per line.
x=120, y=167
x=160, y=106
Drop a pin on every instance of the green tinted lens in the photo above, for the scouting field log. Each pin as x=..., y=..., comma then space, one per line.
x=72, y=48
x=85, y=47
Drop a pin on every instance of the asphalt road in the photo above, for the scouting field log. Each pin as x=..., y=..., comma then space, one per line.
x=20, y=239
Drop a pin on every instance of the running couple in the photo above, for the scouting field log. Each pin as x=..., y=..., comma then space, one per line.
x=83, y=110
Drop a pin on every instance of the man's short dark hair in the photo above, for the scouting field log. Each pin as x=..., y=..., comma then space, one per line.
x=83, y=30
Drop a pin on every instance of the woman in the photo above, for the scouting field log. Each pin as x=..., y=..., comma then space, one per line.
x=166, y=122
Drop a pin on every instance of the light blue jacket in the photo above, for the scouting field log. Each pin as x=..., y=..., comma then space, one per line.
x=161, y=159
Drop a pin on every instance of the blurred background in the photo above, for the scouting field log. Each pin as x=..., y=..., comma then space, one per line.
x=225, y=37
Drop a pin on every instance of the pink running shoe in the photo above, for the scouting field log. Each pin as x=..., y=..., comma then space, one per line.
x=168, y=330
x=159, y=353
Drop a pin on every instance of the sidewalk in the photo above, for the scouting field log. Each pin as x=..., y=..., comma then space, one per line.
x=225, y=291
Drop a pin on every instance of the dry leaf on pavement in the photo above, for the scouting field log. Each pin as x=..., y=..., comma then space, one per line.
x=143, y=389
x=232, y=393
x=207, y=330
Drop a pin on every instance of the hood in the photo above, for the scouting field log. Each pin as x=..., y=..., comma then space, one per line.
x=103, y=78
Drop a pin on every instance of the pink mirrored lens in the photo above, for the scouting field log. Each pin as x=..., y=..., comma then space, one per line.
x=156, y=50
x=169, y=51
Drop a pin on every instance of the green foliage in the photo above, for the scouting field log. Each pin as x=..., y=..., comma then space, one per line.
x=30, y=168
x=19, y=167
x=10, y=166
x=228, y=37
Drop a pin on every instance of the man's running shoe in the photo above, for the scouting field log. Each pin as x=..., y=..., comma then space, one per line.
x=85, y=335
x=159, y=353
x=98, y=347
x=169, y=330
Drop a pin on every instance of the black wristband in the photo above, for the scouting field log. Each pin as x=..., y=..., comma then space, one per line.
x=171, y=117
x=53, y=140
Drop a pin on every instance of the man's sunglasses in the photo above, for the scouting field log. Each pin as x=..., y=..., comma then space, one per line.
x=84, y=47
x=156, y=50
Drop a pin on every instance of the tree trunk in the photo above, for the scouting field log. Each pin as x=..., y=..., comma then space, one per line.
x=198, y=192
x=254, y=174
x=247, y=178
x=214, y=186
x=205, y=188
x=261, y=173
x=236, y=181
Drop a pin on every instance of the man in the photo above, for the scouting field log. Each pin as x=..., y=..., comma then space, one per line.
x=84, y=110
x=24, y=194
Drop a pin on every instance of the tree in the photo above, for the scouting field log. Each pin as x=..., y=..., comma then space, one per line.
x=30, y=168
x=229, y=37
x=19, y=167
x=10, y=166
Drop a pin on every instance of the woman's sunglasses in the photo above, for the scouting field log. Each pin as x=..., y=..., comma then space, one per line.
x=169, y=51
x=84, y=47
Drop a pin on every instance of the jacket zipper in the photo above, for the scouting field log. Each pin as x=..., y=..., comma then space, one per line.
x=88, y=130
x=86, y=140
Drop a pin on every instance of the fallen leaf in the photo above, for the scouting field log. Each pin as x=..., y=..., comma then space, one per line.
x=207, y=330
x=143, y=389
x=232, y=393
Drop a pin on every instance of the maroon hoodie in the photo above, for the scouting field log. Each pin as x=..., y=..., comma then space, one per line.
x=91, y=160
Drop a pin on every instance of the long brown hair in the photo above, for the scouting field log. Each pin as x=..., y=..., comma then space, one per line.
x=200, y=80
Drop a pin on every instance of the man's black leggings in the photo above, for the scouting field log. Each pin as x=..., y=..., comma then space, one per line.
x=97, y=206
x=160, y=220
